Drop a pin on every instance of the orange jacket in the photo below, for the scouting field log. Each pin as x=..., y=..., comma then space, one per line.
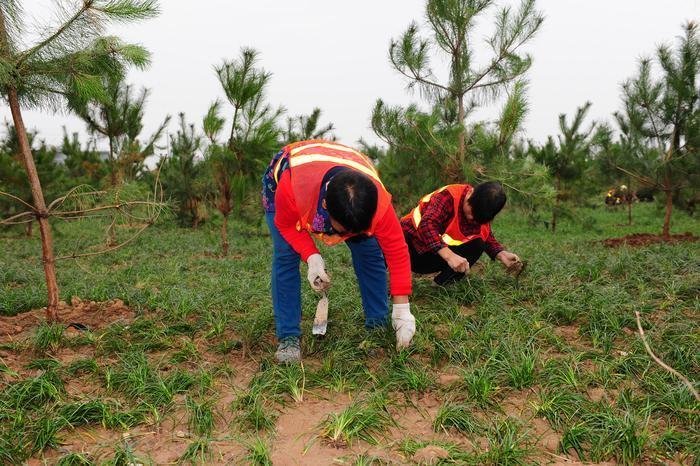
x=296, y=200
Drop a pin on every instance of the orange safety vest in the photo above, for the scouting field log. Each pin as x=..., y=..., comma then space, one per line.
x=308, y=163
x=453, y=236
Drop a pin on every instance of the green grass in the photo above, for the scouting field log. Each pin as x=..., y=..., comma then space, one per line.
x=197, y=452
x=509, y=443
x=258, y=453
x=75, y=459
x=201, y=416
x=562, y=332
x=559, y=406
x=48, y=337
x=481, y=387
x=459, y=417
x=363, y=420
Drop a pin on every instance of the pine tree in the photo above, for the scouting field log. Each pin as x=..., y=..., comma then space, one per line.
x=182, y=174
x=451, y=24
x=119, y=118
x=69, y=58
x=252, y=138
x=13, y=176
x=566, y=158
x=304, y=127
x=664, y=112
x=82, y=162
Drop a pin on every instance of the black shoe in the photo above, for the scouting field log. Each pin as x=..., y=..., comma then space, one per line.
x=447, y=277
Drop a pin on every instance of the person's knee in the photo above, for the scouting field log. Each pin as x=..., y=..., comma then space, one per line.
x=471, y=250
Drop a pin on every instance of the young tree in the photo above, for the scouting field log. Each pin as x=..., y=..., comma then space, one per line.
x=83, y=163
x=119, y=118
x=13, y=176
x=664, y=112
x=253, y=136
x=566, y=159
x=629, y=151
x=303, y=127
x=467, y=84
x=414, y=139
x=182, y=174
x=68, y=58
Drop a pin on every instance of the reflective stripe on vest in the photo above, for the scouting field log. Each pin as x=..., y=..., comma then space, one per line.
x=416, y=211
x=309, y=161
x=326, y=145
x=322, y=157
x=276, y=171
x=295, y=161
x=483, y=234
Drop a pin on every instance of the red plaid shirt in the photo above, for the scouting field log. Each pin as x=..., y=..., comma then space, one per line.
x=436, y=217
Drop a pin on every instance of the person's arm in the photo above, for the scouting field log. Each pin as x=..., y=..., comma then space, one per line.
x=286, y=219
x=393, y=244
x=391, y=240
x=454, y=260
x=497, y=252
x=492, y=246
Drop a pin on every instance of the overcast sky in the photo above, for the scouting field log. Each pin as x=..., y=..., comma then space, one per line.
x=333, y=54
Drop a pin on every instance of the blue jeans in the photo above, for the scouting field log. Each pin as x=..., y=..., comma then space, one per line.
x=370, y=269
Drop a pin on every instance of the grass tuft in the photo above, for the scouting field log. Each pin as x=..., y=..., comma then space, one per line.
x=75, y=459
x=48, y=337
x=197, y=452
x=259, y=453
x=201, y=416
x=458, y=417
x=363, y=420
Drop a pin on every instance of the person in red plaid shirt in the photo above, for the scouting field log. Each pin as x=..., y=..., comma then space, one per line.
x=451, y=227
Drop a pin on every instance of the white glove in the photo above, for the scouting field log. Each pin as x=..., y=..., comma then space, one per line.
x=404, y=323
x=317, y=275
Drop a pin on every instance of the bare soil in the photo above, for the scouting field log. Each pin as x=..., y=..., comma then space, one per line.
x=296, y=439
x=91, y=314
x=645, y=239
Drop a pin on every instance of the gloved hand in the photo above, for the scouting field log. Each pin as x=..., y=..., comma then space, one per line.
x=404, y=324
x=317, y=275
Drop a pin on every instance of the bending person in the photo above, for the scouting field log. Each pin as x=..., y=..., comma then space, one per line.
x=332, y=192
x=450, y=228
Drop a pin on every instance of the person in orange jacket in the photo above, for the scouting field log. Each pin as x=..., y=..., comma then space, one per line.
x=332, y=192
x=450, y=228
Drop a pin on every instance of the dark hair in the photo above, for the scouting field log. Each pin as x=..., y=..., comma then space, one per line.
x=351, y=200
x=487, y=200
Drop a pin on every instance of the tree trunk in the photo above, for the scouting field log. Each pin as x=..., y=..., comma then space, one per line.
x=630, y=198
x=29, y=229
x=556, y=204
x=629, y=209
x=111, y=234
x=112, y=163
x=462, y=130
x=224, y=237
x=40, y=206
x=457, y=76
x=668, y=186
x=667, y=216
